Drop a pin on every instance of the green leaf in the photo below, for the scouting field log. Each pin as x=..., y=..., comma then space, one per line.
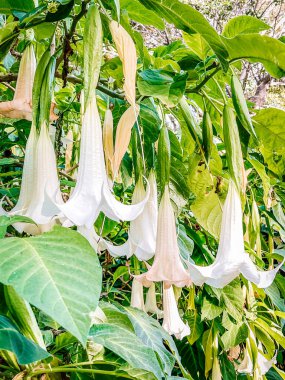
x=185, y=243
x=210, y=310
x=232, y=297
x=196, y=326
x=270, y=131
x=187, y=18
x=6, y=221
x=50, y=271
x=256, y=48
x=8, y=6
x=62, y=12
x=235, y=335
x=153, y=335
x=207, y=207
x=227, y=368
x=141, y=14
x=197, y=44
x=260, y=169
x=272, y=331
x=128, y=346
x=243, y=25
x=25, y=350
x=167, y=86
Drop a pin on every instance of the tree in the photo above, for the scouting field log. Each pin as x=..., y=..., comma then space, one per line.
x=140, y=181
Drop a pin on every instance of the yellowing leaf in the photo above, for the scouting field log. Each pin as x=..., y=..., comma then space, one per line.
x=128, y=55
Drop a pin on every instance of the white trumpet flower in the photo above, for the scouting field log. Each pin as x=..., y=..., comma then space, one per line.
x=167, y=265
x=39, y=179
x=137, y=298
x=231, y=257
x=21, y=105
x=150, y=302
x=142, y=232
x=92, y=193
x=262, y=365
x=172, y=322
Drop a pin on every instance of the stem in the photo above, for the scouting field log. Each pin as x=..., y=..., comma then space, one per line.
x=71, y=79
x=78, y=370
x=204, y=81
x=210, y=100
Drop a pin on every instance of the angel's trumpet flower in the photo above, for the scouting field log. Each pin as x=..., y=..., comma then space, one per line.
x=150, y=302
x=137, y=298
x=262, y=364
x=142, y=232
x=39, y=179
x=172, y=321
x=92, y=193
x=231, y=257
x=26, y=190
x=21, y=105
x=167, y=265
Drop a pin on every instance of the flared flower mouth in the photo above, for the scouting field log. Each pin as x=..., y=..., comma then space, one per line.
x=142, y=232
x=231, y=259
x=167, y=265
x=39, y=179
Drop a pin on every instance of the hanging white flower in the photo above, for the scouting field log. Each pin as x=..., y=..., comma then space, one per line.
x=137, y=298
x=21, y=105
x=167, y=265
x=172, y=321
x=150, y=302
x=142, y=232
x=39, y=179
x=92, y=193
x=231, y=259
x=262, y=364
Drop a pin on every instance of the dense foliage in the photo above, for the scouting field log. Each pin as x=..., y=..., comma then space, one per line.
x=174, y=115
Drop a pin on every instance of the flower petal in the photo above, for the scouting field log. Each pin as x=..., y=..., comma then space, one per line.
x=172, y=322
x=137, y=298
x=118, y=211
x=167, y=265
x=83, y=206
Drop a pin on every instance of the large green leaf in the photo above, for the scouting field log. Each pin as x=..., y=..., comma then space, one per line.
x=128, y=346
x=232, y=297
x=7, y=6
x=271, y=133
x=164, y=85
x=187, y=18
x=141, y=14
x=256, y=48
x=235, y=335
x=207, y=207
x=243, y=25
x=210, y=310
x=51, y=271
x=25, y=350
x=152, y=335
